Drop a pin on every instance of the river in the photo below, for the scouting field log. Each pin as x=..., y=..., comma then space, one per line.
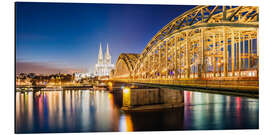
x=99, y=111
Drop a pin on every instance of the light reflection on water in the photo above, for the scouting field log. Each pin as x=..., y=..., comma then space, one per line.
x=214, y=111
x=87, y=111
x=125, y=123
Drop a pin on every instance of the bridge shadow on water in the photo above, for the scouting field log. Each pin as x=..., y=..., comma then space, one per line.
x=162, y=120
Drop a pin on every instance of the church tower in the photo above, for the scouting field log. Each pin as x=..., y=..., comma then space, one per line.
x=100, y=55
x=103, y=66
x=108, y=56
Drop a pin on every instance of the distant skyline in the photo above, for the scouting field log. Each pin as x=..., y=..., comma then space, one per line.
x=65, y=37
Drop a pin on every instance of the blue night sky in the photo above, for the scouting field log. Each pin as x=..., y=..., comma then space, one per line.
x=62, y=37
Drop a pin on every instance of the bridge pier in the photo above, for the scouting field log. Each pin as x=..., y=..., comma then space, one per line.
x=144, y=99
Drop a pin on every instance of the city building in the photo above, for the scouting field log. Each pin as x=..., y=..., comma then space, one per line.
x=104, y=65
x=78, y=76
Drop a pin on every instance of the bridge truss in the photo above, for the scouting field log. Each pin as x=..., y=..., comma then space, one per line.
x=206, y=42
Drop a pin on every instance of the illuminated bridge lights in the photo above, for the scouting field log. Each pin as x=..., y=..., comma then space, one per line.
x=206, y=42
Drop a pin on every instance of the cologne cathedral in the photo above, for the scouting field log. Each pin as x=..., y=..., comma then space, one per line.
x=104, y=64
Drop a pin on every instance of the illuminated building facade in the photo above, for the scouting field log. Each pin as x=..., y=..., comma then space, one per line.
x=103, y=66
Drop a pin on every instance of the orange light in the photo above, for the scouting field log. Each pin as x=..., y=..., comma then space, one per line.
x=129, y=123
x=110, y=86
x=126, y=96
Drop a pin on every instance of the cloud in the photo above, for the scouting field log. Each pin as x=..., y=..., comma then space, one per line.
x=43, y=68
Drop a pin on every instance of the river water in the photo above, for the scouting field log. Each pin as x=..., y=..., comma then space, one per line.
x=95, y=111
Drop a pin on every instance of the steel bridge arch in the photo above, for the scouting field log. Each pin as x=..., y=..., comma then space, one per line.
x=128, y=60
x=232, y=23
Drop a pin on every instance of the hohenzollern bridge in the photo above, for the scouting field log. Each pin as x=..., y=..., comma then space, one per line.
x=207, y=45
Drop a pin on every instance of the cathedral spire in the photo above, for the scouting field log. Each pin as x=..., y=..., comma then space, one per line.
x=104, y=65
x=108, y=56
x=107, y=51
x=100, y=55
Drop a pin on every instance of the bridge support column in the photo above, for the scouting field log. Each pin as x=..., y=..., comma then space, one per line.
x=149, y=68
x=225, y=45
x=193, y=62
x=175, y=57
x=166, y=46
x=214, y=55
x=249, y=44
x=225, y=53
x=249, y=51
x=159, y=67
x=244, y=52
x=233, y=53
x=239, y=54
x=180, y=59
x=258, y=53
x=187, y=64
x=201, y=66
x=178, y=52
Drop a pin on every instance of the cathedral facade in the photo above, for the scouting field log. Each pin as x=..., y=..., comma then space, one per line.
x=104, y=64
